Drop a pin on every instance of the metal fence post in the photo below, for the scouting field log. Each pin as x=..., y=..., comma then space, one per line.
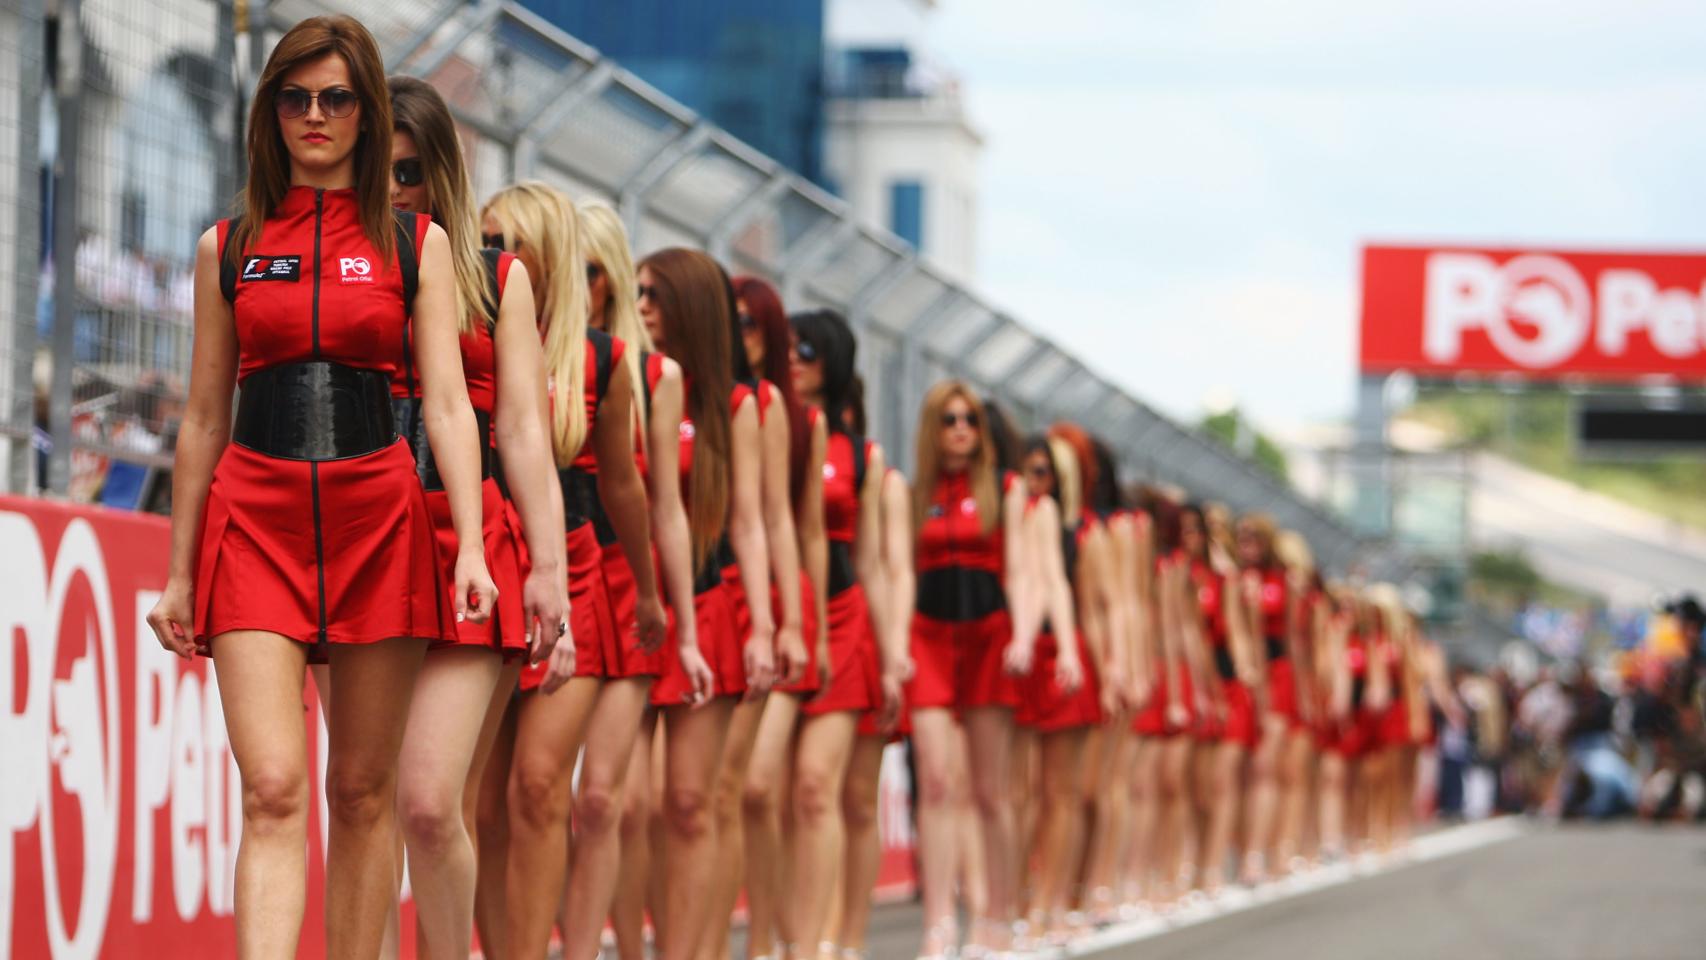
x=26, y=253
x=65, y=230
x=631, y=197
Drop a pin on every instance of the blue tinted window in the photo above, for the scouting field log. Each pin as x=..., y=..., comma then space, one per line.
x=906, y=211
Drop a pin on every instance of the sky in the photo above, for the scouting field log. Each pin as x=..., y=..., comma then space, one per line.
x=1177, y=191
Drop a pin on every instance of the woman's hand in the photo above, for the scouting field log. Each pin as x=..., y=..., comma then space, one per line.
x=759, y=660
x=475, y=595
x=561, y=667
x=1114, y=684
x=1069, y=672
x=173, y=621
x=791, y=656
x=894, y=695
x=545, y=610
x=1016, y=659
x=651, y=623
x=698, y=672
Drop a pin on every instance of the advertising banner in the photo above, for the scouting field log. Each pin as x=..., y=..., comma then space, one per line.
x=1542, y=314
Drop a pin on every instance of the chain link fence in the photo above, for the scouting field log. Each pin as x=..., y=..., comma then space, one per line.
x=158, y=163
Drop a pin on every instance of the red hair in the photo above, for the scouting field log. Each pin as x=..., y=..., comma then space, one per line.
x=764, y=306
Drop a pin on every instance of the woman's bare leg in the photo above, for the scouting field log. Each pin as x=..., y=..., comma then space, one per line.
x=695, y=739
x=549, y=731
x=628, y=908
x=491, y=818
x=767, y=782
x=596, y=861
x=372, y=685
x=726, y=796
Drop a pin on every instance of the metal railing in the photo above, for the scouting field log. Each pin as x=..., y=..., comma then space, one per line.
x=533, y=101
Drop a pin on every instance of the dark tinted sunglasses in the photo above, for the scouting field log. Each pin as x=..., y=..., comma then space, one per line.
x=408, y=173
x=1036, y=470
x=493, y=241
x=805, y=351
x=646, y=291
x=748, y=322
x=293, y=102
x=949, y=418
x=593, y=272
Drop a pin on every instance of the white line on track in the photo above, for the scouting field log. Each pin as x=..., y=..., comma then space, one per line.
x=1432, y=846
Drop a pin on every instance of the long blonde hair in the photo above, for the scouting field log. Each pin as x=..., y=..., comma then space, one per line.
x=1293, y=552
x=983, y=483
x=1068, y=480
x=604, y=241
x=536, y=216
x=418, y=110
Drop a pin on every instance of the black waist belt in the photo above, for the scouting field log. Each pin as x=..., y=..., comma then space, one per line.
x=1358, y=686
x=412, y=427
x=1223, y=663
x=315, y=410
x=1276, y=648
x=582, y=505
x=841, y=576
x=959, y=595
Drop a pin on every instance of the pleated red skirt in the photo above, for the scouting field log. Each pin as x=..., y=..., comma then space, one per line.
x=506, y=560
x=853, y=671
x=369, y=570
x=590, y=621
x=1051, y=709
x=715, y=624
x=624, y=657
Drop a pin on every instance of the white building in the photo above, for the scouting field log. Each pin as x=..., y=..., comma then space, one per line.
x=897, y=143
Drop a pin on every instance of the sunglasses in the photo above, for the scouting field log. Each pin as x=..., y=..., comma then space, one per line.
x=646, y=291
x=593, y=272
x=805, y=351
x=408, y=173
x=493, y=241
x=968, y=418
x=336, y=102
x=1037, y=470
x=747, y=321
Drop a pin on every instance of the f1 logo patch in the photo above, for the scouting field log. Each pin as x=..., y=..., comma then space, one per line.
x=258, y=267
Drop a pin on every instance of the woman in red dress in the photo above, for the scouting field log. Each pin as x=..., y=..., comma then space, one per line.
x=765, y=335
x=609, y=765
x=464, y=686
x=778, y=413
x=591, y=430
x=1268, y=599
x=967, y=654
x=300, y=523
x=1236, y=672
x=687, y=307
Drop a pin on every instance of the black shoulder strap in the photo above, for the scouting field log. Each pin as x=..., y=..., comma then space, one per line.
x=646, y=376
x=227, y=268
x=407, y=261
x=861, y=454
x=494, y=284
x=602, y=348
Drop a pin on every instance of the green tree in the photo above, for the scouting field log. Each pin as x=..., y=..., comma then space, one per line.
x=1231, y=429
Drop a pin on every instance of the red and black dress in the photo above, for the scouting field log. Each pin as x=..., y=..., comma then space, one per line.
x=1274, y=612
x=1239, y=725
x=1152, y=720
x=1359, y=732
x=854, y=673
x=1046, y=706
x=714, y=617
x=960, y=627
x=592, y=624
x=506, y=551
x=765, y=393
x=316, y=527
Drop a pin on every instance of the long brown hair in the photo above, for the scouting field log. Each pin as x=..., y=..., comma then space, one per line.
x=536, y=215
x=269, y=159
x=419, y=111
x=983, y=484
x=692, y=299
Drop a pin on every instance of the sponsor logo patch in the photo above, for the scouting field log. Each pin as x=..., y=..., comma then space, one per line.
x=355, y=270
x=258, y=267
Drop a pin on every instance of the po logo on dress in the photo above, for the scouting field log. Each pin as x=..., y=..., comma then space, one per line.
x=355, y=270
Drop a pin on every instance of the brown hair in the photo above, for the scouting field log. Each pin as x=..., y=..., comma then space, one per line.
x=692, y=301
x=419, y=111
x=1261, y=526
x=269, y=159
x=983, y=482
